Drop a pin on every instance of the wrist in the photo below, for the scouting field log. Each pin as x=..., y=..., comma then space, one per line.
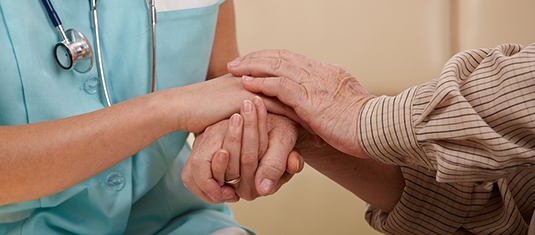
x=359, y=149
x=164, y=105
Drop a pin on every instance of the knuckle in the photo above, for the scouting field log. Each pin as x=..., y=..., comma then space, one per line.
x=281, y=82
x=186, y=181
x=304, y=75
x=232, y=172
x=276, y=64
x=249, y=159
x=250, y=122
x=286, y=132
x=342, y=71
x=233, y=137
x=312, y=63
x=275, y=167
x=283, y=53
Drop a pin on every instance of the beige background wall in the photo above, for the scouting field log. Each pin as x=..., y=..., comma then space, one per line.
x=388, y=45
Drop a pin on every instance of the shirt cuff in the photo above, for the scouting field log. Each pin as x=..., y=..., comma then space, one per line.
x=386, y=130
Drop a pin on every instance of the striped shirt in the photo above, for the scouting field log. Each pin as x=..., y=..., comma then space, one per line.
x=466, y=146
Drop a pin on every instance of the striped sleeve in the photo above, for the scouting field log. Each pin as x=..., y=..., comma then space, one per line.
x=474, y=123
x=429, y=207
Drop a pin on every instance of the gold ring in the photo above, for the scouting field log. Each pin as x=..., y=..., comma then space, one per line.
x=233, y=181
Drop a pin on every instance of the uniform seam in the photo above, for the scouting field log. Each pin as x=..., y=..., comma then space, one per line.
x=17, y=62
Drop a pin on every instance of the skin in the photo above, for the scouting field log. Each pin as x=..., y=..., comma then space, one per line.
x=246, y=141
x=320, y=94
x=225, y=47
x=41, y=159
x=381, y=185
x=225, y=44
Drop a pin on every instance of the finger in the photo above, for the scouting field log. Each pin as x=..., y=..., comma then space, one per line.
x=287, y=55
x=291, y=94
x=287, y=91
x=197, y=173
x=229, y=194
x=219, y=166
x=274, y=105
x=269, y=67
x=249, y=151
x=197, y=177
x=273, y=164
x=295, y=163
x=284, y=179
x=210, y=192
x=261, y=111
x=316, y=140
x=232, y=143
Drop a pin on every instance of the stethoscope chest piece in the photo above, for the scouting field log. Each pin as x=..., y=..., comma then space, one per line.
x=74, y=52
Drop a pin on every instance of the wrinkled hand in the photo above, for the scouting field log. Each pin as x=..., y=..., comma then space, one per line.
x=325, y=96
x=253, y=144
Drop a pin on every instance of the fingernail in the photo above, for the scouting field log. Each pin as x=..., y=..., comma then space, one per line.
x=231, y=200
x=257, y=100
x=235, y=120
x=212, y=197
x=235, y=62
x=247, y=78
x=247, y=106
x=228, y=197
x=266, y=186
x=222, y=155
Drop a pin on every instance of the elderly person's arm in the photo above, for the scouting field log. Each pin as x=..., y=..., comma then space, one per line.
x=465, y=140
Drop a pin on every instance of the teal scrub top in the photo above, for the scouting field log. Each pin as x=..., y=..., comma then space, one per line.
x=143, y=194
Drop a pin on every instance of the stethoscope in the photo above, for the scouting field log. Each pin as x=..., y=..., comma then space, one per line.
x=75, y=52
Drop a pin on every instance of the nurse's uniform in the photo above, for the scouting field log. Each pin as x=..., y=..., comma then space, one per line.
x=144, y=193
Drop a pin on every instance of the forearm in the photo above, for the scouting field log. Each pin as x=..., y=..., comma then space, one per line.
x=44, y=158
x=472, y=124
x=380, y=185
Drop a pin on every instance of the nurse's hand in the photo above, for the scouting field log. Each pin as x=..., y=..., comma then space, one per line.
x=200, y=105
x=246, y=151
x=205, y=176
x=325, y=96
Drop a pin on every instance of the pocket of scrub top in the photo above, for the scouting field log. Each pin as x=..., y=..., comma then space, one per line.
x=184, y=41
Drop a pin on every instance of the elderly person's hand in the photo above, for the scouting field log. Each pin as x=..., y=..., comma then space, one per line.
x=252, y=146
x=325, y=96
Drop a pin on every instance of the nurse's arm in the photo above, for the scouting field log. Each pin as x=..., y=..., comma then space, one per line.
x=41, y=159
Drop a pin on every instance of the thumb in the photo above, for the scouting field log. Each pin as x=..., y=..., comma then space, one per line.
x=273, y=165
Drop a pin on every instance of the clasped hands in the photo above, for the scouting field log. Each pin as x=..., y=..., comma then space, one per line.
x=257, y=148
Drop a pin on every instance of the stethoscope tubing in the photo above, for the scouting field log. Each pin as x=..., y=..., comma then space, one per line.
x=153, y=43
x=51, y=13
x=99, y=54
x=54, y=18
